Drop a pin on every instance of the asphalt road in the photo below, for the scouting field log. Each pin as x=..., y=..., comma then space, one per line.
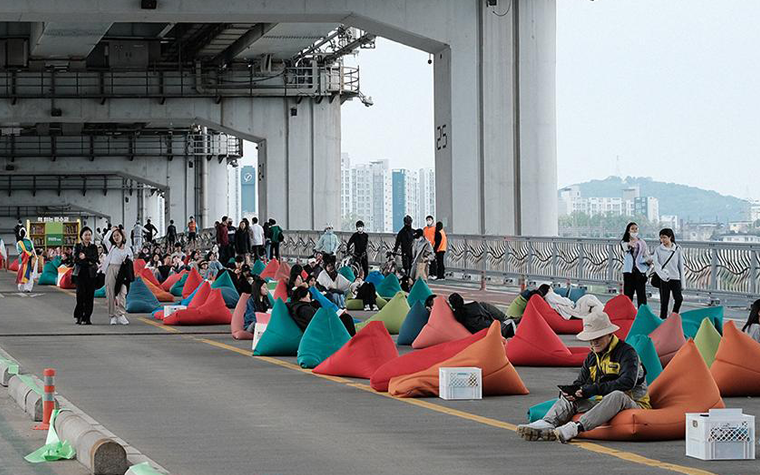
x=196, y=402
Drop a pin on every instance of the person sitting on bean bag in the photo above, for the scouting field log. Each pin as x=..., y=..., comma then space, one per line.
x=476, y=316
x=258, y=302
x=517, y=307
x=612, y=379
x=302, y=309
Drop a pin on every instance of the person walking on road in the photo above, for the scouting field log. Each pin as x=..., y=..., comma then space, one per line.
x=257, y=238
x=150, y=231
x=242, y=239
x=357, y=246
x=277, y=236
x=669, y=267
x=138, y=234
x=192, y=233
x=423, y=254
x=171, y=233
x=27, y=262
x=222, y=240
x=119, y=256
x=440, y=245
x=404, y=240
x=85, y=267
x=328, y=242
x=636, y=262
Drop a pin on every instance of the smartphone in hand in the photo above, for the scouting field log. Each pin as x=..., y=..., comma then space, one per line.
x=570, y=389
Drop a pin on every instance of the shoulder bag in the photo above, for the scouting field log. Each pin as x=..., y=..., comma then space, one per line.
x=656, y=281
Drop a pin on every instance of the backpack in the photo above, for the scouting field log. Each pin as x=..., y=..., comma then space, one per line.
x=276, y=234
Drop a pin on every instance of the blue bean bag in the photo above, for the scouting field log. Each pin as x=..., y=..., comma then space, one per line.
x=692, y=319
x=325, y=335
x=229, y=292
x=375, y=277
x=324, y=302
x=412, y=326
x=282, y=336
x=419, y=291
x=348, y=273
x=644, y=323
x=573, y=293
x=140, y=299
x=648, y=355
x=389, y=287
x=100, y=293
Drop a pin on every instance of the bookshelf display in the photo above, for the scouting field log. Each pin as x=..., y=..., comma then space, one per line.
x=54, y=233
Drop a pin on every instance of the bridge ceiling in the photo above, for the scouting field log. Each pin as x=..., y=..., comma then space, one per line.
x=285, y=40
x=65, y=40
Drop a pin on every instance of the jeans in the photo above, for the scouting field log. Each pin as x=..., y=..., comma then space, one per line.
x=336, y=297
x=666, y=288
x=596, y=412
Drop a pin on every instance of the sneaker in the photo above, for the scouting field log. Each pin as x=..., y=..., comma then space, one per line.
x=566, y=432
x=538, y=430
x=113, y=321
x=374, y=308
x=367, y=308
x=122, y=320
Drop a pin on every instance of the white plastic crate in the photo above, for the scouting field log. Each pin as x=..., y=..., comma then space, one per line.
x=169, y=309
x=721, y=434
x=258, y=330
x=460, y=383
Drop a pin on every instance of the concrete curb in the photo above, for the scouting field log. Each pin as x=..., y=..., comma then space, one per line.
x=98, y=452
x=26, y=397
x=5, y=375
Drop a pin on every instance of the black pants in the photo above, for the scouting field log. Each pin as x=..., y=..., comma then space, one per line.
x=85, y=298
x=666, y=288
x=348, y=322
x=406, y=263
x=635, y=283
x=440, y=268
x=258, y=252
x=367, y=293
x=275, y=251
x=364, y=263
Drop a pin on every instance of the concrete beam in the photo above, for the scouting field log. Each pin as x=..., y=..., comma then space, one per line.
x=73, y=40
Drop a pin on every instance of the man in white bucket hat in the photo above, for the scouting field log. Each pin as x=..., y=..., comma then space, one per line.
x=611, y=380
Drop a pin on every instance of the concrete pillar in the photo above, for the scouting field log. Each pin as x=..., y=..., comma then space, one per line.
x=216, y=191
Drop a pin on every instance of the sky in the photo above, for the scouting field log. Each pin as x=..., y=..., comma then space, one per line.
x=666, y=89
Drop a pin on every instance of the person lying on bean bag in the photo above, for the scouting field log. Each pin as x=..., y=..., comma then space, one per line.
x=611, y=380
x=476, y=316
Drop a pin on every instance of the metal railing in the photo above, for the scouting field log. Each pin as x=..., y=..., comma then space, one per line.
x=713, y=269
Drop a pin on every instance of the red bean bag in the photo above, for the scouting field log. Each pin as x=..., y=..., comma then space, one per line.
x=199, y=299
x=535, y=344
x=420, y=360
x=270, y=270
x=212, y=312
x=281, y=291
x=668, y=338
x=620, y=308
x=13, y=266
x=555, y=320
x=194, y=279
x=148, y=276
x=441, y=327
x=685, y=385
x=238, y=318
x=499, y=376
x=157, y=290
x=138, y=265
x=283, y=272
x=736, y=368
x=368, y=350
x=171, y=280
x=65, y=282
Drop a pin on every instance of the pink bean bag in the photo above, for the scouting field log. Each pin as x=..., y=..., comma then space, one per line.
x=212, y=312
x=368, y=350
x=441, y=327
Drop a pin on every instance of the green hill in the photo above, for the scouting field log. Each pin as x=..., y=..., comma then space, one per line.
x=689, y=203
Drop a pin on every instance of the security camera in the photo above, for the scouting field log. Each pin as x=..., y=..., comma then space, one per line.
x=367, y=101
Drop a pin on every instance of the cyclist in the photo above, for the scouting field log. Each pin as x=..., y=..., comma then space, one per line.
x=359, y=242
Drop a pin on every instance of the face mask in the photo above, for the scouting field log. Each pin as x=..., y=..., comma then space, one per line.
x=360, y=229
x=429, y=222
x=635, y=235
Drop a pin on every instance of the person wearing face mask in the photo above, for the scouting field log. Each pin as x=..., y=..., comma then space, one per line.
x=636, y=261
x=429, y=232
x=357, y=245
x=328, y=242
x=86, y=262
x=669, y=267
x=612, y=379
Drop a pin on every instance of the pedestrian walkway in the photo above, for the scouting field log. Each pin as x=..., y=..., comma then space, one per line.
x=196, y=402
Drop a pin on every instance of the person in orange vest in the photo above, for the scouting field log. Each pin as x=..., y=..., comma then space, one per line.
x=440, y=245
x=429, y=232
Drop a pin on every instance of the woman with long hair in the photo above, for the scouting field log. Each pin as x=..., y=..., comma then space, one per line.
x=86, y=264
x=669, y=266
x=636, y=262
x=752, y=327
x=116, y=289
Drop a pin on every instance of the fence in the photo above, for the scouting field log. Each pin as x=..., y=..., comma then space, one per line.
x=717, y=270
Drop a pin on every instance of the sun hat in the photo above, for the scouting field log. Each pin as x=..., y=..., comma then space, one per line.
x=596, y=325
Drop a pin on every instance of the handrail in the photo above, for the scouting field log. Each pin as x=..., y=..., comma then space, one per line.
x=713, y=269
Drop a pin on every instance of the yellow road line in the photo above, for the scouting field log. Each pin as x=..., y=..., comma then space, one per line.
x=590, y=446
x=159, y=325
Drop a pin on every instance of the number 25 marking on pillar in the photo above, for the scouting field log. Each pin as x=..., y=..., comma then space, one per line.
x=441, y=139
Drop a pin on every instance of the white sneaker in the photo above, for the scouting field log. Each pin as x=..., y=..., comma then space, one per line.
x=566, y=432
x=538, y=430
x=374, y=308
x=367, y=308
x=113, y=321
x=122, y=320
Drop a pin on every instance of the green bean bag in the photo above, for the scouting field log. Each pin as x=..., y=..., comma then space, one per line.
x=419, y=291
x=348, y=273
x=224, y=283
x=140, y=299
x=517, y=307
x=282, y=336
x=49, y=275
x=648, y=356
x=258, y=267
x=392, y=314
x=416, y=319
x=325, y=335
x=176, y=289
x=707, y=340
x=644, y=323
x=100, y=293
x=388, y=287
x=692, y=319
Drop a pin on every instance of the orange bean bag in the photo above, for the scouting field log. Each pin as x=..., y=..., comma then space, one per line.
x=536, y=344
x=736, y=368
x=420, y=360
x=686, y=385
x=194, y=279
x=156, y=290
x=441, y=327
x=283, y=272
x=281, y=291
x=171, y=280
x=556, y=322
x=238, y=318
x=499, y=376
x=199, y=299
x=148, y=276
x=668, y=338
x=270, y=270
x=212, y=312
x=362, y=355
x=66, y=282
x=138, y=265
